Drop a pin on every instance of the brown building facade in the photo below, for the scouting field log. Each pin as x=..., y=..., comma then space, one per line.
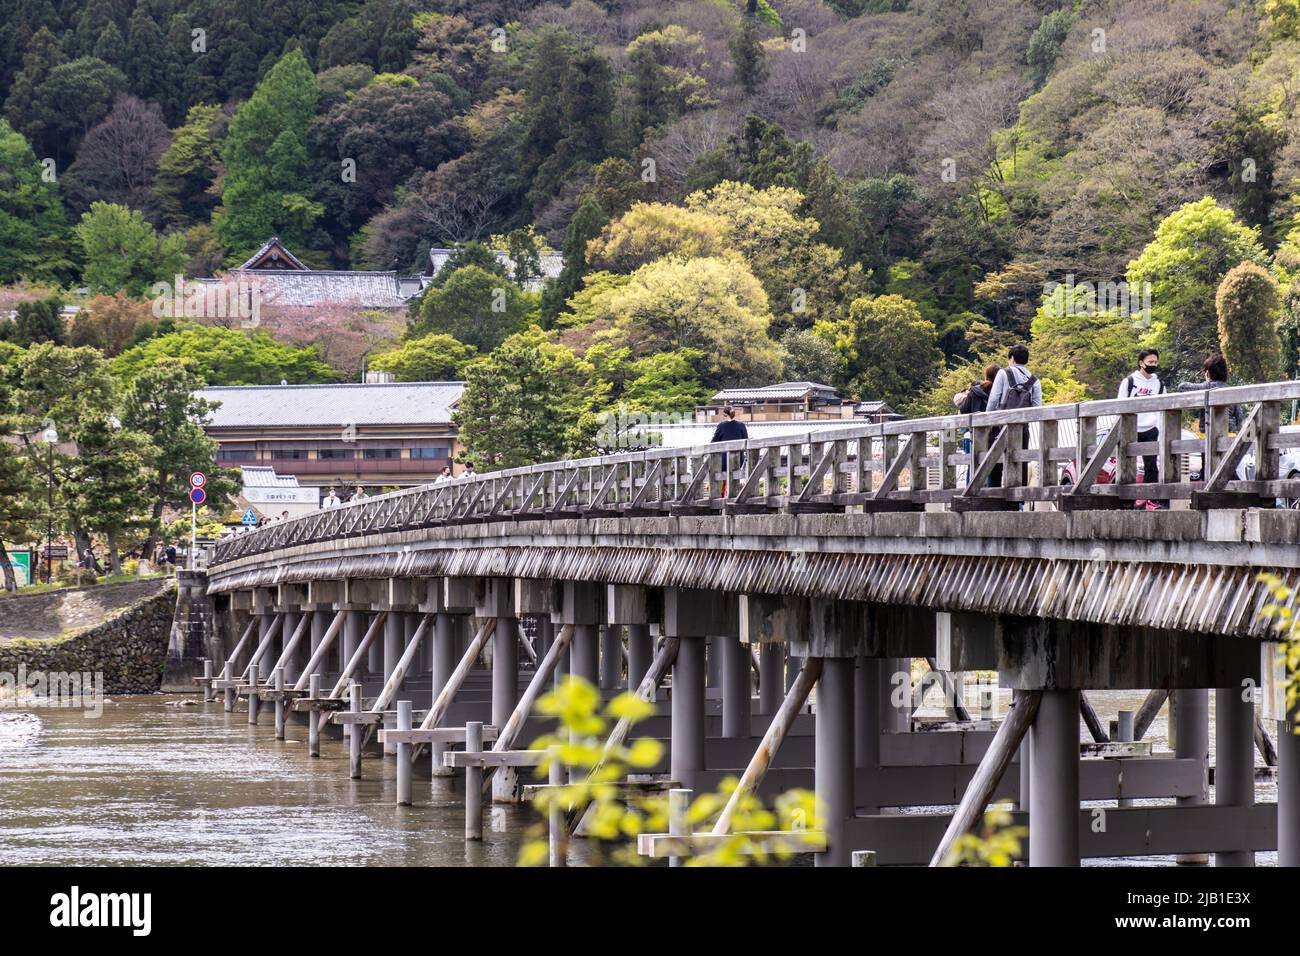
x=375, y=435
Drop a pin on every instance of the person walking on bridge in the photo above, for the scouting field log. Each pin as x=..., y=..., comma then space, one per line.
x=1014, y=387
x=729, y=430
x=1145, y=382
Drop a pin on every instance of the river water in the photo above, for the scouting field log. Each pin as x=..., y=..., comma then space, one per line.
x=150, y=782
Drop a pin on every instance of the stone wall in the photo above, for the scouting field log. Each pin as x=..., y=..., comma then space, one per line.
x=129, y=647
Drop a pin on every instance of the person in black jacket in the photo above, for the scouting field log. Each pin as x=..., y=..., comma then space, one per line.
x=729, y=429
x=976, y=398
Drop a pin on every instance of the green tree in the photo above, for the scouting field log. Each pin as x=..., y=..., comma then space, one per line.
x=106, y=487
x=20, y=506
x=70, y=100
x=1248, y=305
x=586, y=224
x=430, y=358
x=1099, y=344
x=1045, y=43
x=40, y=321
x=267, y=164
x=528, y=401
x=1193, y=249
x=161, y=402
x=888, y=351
x=477, y=307
x=43, y=54
x=747, y=56
x=124, y=253
x=146, y=54
x=227, y=357
x=189, y=168
x=667, y=382
x=808, y=357
x=33, y=228
x=712, y=304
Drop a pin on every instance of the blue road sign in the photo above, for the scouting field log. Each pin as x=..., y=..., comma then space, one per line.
x=249, y=517
x=198, y=495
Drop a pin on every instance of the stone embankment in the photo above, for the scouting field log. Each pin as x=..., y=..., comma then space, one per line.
x=119, y=630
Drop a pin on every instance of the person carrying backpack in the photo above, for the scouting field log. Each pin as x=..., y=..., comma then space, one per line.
x=1140, y=384
x=1014, y=387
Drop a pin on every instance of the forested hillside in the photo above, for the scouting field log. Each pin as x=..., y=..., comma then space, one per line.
x=875, y=193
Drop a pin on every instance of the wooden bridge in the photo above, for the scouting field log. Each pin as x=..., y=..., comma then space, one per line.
x=839, y=558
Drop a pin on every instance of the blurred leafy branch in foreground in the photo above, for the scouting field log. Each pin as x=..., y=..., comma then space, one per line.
x=1285, y=622
x=997, y=844
x=616, y=815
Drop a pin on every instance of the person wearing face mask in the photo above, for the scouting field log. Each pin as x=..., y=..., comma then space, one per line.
x=1140, y=384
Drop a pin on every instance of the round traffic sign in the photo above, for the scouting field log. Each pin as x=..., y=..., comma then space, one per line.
x=198, y=479
x=198, y=496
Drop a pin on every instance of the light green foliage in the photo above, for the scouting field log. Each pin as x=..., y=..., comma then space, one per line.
x=613, y=819
x=124, y=253
x=711, y=304
x=228, y=357
x=436, y=357
x=997, y=844
x=1193, y=250
x=1099, y=345
x=1249, y=304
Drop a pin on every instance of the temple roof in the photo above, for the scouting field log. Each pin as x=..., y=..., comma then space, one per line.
x=272, y=255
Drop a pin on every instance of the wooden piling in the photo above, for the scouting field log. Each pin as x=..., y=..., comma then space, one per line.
x=404, y=755
x=473, y=783
x=313, y=726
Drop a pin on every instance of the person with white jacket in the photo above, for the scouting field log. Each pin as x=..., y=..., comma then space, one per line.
x=1140, y=384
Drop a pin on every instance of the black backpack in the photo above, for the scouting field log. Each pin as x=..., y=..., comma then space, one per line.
x=1019, y=394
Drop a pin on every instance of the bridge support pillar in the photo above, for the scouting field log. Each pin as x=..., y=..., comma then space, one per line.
x=611, y=656
x=445, y=626
x=640, y=651
x=1234, y=761
x=354, y=628
x=1288, y=793
x=584, y=653
x=394, y=644
x=713, y=679
x=505, y=696
x=866, y=715
x=771, y=677
x=896, y=695
x=735, y=663
x=687, y=751
x=292, y=618
x=1190, y=723
x=834, y=761
x=1054, y=790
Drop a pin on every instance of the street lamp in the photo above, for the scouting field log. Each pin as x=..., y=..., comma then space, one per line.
x=51, y=437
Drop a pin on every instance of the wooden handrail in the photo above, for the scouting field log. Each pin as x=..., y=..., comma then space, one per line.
x=858, y=466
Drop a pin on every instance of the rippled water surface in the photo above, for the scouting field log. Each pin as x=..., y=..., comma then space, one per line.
x=153, y=783
x=150, y=782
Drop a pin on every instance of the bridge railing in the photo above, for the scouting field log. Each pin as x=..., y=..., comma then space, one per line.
x=1075, y=456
